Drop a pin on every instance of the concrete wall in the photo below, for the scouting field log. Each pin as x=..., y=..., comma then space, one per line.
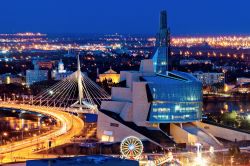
x=141, y=105
x=224, y=133
x=123, y=75
x=113, y=106
x=147, y=66
x=121, y=94
x=127, y=112
x=182, y=136
x=132, y=77
x=119, y=133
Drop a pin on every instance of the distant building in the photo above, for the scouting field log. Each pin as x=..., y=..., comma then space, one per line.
x=109, y=75
x=33, y=76
x=242, y=80
x=61, y=67
x=43, y=63
x=193, y=61
x=6, y=59
x=9, y=78
x=209, y=78
x=224, y=68
x=60, y=73
x=242, y=88
x=3, y=52
x=36, y=75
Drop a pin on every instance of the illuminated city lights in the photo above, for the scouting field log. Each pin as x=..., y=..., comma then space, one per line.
x=144, y=99
x=218, y=42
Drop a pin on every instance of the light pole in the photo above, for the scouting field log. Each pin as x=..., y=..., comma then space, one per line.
x=199, y=159
x=5, y=134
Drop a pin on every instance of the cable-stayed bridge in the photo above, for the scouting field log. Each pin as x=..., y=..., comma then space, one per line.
x=75, y=93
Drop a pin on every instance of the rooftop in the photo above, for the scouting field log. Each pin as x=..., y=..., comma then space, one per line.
x=110, y=71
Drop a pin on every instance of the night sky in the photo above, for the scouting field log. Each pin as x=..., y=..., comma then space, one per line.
x=186, y=17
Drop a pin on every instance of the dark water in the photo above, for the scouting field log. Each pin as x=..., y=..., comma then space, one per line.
x=13, y=123
x=12, y=119
x=16, y=125
x=218, y=106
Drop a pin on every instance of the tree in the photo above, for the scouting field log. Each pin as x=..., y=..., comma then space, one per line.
x=245, y=124
x=229, y=118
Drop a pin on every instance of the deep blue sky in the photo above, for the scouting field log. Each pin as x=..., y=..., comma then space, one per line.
x=125, y=16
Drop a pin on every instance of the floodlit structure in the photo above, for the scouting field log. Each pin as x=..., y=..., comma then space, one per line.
x=109, y=75
x=153, y=103
x=60, y=73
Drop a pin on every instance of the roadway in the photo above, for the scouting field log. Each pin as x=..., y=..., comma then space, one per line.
x=22, y=150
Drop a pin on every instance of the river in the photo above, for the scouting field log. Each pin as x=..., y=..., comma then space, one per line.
x=218, y=106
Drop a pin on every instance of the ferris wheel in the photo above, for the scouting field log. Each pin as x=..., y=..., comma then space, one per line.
x=131, y=147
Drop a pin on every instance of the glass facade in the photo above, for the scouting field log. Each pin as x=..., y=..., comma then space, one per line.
x=160, y=60
x=174, y=100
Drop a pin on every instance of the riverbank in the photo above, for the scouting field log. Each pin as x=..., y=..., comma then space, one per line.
x=231, y=97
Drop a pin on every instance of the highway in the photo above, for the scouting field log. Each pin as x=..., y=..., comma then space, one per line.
x=22, y=150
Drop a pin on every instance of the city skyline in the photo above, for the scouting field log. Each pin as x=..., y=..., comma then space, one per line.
x=138, y=83
x=128, y=17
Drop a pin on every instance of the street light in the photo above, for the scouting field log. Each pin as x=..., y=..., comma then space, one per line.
x=4, y=134
x=199, y=160
x=211, y=150
x=51, y=92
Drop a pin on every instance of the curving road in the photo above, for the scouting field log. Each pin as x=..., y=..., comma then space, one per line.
x=22, y=150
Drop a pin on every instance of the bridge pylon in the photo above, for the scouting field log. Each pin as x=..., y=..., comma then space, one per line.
x=76, y=93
